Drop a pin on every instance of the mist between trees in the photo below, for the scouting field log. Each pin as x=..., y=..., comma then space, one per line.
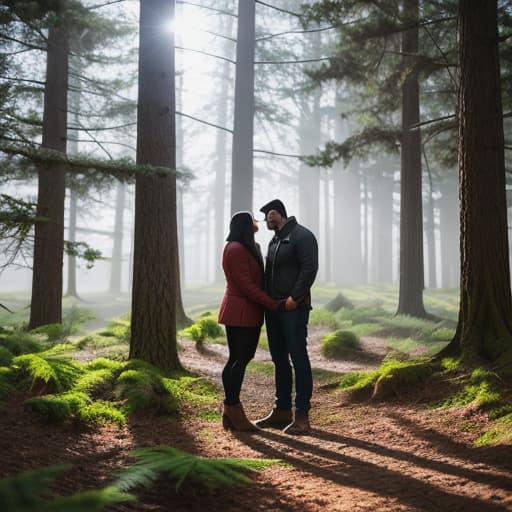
x=348, y=112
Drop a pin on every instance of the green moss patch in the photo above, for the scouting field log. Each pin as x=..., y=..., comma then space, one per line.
x=339, y=344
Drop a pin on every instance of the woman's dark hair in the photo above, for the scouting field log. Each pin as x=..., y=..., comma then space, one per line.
x=241, y=231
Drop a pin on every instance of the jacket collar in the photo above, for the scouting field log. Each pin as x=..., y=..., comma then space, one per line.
x=287, y=228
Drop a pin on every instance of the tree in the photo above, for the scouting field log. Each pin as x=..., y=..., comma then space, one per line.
x=411, y=280
x=484, y=327
x=153, y=327
x=46, y=304
x=243, y=128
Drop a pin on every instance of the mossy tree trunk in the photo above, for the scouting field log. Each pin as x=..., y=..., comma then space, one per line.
x=46, y=303
x=485, y=318
x=153, y=327
x=410, y=300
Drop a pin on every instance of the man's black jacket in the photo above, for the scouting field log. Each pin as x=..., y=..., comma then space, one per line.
x=292, y=263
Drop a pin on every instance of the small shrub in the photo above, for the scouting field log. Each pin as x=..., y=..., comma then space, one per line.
x=119, y=329
x=204, y=328
x=5, y=356
x=96, y=383
x=340, y=343
x=20, y=342
x=338, y=302
x=53, y=332
x=6, y=387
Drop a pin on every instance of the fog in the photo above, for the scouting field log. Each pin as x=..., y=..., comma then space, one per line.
x=353, y=208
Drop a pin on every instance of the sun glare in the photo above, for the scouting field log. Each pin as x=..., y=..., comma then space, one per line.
x=190, y=28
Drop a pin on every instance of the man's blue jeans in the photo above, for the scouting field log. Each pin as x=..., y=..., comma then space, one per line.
x=287, y=332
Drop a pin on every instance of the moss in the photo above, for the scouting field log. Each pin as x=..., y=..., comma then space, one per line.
x=397, y=376
x=96, y=383
x=192, y=390
x=338, y=344
x=6, y=387
x=500, y=432
x=102, y=363
x=45, y=373
x=59, y=408
x=358, y=380
x=143, y=388
x=102, y=412
x=263, y=368
x=119, y=329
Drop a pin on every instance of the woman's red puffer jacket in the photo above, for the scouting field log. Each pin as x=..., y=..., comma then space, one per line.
x=244, y=301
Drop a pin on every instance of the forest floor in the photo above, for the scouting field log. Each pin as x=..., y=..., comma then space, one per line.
x=396, y=456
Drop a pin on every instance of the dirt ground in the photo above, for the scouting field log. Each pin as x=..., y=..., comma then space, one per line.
x=399, y=456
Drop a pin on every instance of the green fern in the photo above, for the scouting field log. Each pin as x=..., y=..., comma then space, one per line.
x=20, y=342
x=211, y=472
x=25, y=492
x=57, y=374
x=5, y=356
x=63, y=407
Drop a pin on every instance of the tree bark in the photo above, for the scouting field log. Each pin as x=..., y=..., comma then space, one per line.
x=411, y=276
x=153, y=327
x=46, y=303
x=484, y=328
x=243, y=129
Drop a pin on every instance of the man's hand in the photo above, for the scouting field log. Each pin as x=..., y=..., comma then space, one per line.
x=290, y=304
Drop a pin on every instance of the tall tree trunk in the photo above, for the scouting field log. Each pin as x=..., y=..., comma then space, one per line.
x=328, y=228
x=243, y=129
x=71, y=292
x=46, y=304
x=116, y=265
x=484, y=329
x=382, y=226
x=430, y=231
x=153, y=328
x=410, y=300
x=221, y=162
x=449, y=233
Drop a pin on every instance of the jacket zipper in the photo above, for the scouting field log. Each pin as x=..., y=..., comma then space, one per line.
x=274, y=264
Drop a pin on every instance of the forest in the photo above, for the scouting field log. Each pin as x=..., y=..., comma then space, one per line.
x=132, y=134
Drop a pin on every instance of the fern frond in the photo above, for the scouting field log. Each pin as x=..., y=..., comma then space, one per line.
x=211, y=472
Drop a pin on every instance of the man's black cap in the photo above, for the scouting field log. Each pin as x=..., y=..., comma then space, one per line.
x=276, y=205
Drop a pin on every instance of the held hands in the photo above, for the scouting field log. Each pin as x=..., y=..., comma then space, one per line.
x=290, y=304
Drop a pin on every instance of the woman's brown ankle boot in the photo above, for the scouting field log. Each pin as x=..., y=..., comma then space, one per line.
x=234, y=418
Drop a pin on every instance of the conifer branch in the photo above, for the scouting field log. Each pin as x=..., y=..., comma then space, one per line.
x=218, y=11
x=206, y=53
x=204, y=122
x=292, y=61
x=277, y=154
x=279, y=9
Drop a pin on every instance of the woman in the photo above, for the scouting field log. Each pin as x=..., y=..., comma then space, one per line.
x=241, y=312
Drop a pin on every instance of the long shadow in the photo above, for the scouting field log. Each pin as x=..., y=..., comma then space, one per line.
x=444, y=467
x=499, y=457
x=360, y=474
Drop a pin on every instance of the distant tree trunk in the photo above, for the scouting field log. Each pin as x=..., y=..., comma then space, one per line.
x=153, y=327
x=382, y=232
x=309, y=177
x=366, y=234
x=221, y=155
x=484, y=328
x=243, y=129
x=72, y=238
x=46, y=304
x=116, y=264
x=449, y=233
x=430, y=232
x=328, y=228
x=410, y=300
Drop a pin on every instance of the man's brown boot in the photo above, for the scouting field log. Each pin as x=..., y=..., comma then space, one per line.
x=300, y=424
x=278, y=418
x=233, y=417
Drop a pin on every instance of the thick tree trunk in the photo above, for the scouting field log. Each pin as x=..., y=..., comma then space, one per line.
x=46, y=304
x=153, y=328
x=485, y=317
x=430, y=235
x=116, y=264
x=243, y=128
x=410, y=300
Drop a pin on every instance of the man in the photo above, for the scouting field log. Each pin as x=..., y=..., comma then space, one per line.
x=291, y=267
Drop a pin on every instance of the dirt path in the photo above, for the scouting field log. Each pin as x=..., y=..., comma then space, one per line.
x=359, y=457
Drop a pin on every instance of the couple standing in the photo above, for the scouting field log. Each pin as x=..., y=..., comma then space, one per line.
x=280, y=291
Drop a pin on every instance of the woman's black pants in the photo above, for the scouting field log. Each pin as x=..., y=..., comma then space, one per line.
x=242, y=343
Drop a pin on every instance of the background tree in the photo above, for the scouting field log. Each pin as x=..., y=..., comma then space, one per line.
x=153, y=326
